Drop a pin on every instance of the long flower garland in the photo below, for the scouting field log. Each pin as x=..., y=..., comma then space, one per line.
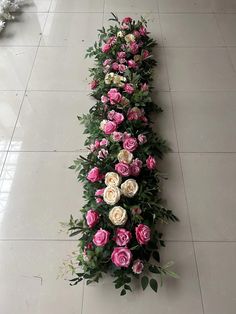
x=6, y=9
x=120, y=174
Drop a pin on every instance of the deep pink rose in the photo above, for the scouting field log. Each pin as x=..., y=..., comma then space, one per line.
x=99, y=192
x=137, y=266
x=94, y=175
x=143, y=31
x=145, y=54
x=101, y=237
x=126, y=135
x=117, y=136
x=134, y=169
x=130, y=144
x=122, y=68
x=97, y=144
x=99, y=200
x=127, y=20
x=132, y=64
x=143, y=234
x=106, y=48
x=144, y=87
x=92, y=218
x=151, y=162
x=115, y=66
x=109, y=127
x=111, y=40
x=123, y=169
x=134, y=47
x=142, y=139
x=93, y=84
x=114, y=96
x=136, y=34
x=104, y=99
x=129, y=88
x=123, y=236
x=121, y=257
x=134, y=114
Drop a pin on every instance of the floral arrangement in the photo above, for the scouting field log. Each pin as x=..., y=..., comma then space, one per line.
x=119, y=232
x=6, y=9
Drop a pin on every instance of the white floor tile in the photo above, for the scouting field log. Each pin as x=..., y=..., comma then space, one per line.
x=194, y=69
x=190, y=30
x=210, y=187
x=176, y=296
x=205, y=121
x=77, y=6
x=131, y=6
x=28, y=278
x=227, y=24
x=15, y=67
x=232, y=53
x=227, y=6
x=160, y=75
x=37, y=193
x=79, y=30
x=25, y=30
x=60, y=68
x=36, y=6
x=9, y=109
x=216, y=262
x=185, y=6
x=48, y=121
x=2, y=159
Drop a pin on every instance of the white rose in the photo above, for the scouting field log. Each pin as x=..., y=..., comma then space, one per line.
x=111, y=195
x=125, y=156
x=109, y=77
x=102, y=124
x=118, y=216
x=120, y=34
x=112, y=179
x=129, y=188
x=129, y=38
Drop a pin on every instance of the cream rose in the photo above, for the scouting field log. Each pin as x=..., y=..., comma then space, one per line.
x=111, y=195
x=125, y=156
x=112, y=179
x=118, y=216
x=129, y=38
x=120, y=34
x=129, y=188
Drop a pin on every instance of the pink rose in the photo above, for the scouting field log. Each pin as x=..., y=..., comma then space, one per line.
x=151, y=162
x=114, y=96
x=106, y=48
x=123, y=60
x=102, y=154
x=104, y=99
x=144, y=87
x=97, y=144
x=101, y=237
x=126, y=135
x=121, y=257
x=123, y=169
x=115, y=66
x=136, y=210
x=99, y=200
x=111, y=40
x=136, y=34
x=117, y=136
x=133, y=47
x=129, y=88
x=132, y=64
x=134, y=114
x=118, y=118
x=127, y=20
x=122, y=68
x=92, y=218
x=121, y=55
x=137, y=266
x=123, y=236
x=107, y=62
x=94, y=175
x=109, y=127
x=130, y=144
x=145, y=54
x=143, y=234
x=104, y=142
x=111, y=114
x=143, y=31
x=124, y=27
x=142, y=139
x=134, y=169
x=93, y=84
x=99, y=192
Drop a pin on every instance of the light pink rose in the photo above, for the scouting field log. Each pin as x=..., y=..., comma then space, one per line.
x=97, y=144
x=121, y=257
x=151, y=162
x=133, y=47
x=123, y=60
x=94, y=175
x=101, y=237
x=143, y=31
x=136, y=210
x=92, y=218
x=134, y=114
x=122, y=68
x=136, y=34
x=143, y=234
x=93, y=84
x=104, y=142
x=130, y=144
x=106, y=48
x=92, y=147
x=124, y=26
x=123, y=169
x=111, y=40
x=137, y=266
x=103, y=153
x=118, y=118
x=115, y=66
x=127, y=20
x=99, y=192
x=121, y=55
x=107, y=62
x=117, y=136
x=132, y=64
x=142, y=139
x=111, y=114
x=144, y=87
x=129, y=88
x=109, y=127
x=99, y=200
x=104, y=99
x=114, y=96
x=145, y=54
x=123, y=236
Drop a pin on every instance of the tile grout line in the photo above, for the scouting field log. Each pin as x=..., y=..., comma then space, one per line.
x=182, y=174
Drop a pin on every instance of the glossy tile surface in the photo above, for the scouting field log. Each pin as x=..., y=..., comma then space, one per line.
x=77, y=6
x=227, y=24
x=36, y=5
x=185, y=6
x=131, y=6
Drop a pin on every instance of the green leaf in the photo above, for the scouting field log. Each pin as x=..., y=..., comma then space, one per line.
x=123, y=292
x=144, y=282
x=156, y=256
x=153, y=284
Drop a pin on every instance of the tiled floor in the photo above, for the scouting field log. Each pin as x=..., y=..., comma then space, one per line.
x=44, y=84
